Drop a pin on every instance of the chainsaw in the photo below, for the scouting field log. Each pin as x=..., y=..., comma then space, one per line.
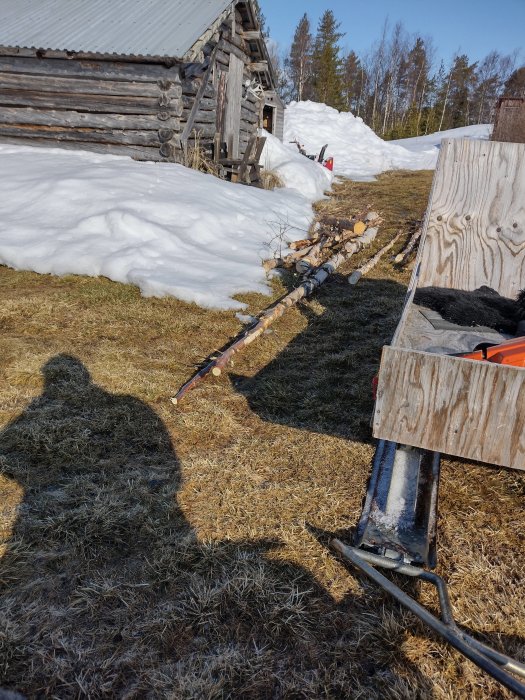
x=510, y=352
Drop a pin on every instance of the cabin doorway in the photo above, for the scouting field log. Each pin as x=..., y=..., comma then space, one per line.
x=269, y=118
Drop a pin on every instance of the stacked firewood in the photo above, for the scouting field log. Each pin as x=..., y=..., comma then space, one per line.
x=332, y=235
x=412, y=245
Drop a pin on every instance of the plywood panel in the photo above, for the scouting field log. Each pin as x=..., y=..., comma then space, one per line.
x=461, y=407
x=475, y=229
x=232, y=123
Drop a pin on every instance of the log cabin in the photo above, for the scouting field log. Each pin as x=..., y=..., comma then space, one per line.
x=135, y=78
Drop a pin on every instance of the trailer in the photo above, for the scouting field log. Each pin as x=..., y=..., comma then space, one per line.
x=432, y=400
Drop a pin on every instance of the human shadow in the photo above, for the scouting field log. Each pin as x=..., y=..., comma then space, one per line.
x=322, y=380
x=106, y=590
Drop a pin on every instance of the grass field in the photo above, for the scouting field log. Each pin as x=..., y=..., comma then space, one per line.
x=154, y=551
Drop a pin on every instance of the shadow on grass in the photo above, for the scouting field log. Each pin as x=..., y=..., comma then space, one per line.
x=107, y=592
x=322, y=380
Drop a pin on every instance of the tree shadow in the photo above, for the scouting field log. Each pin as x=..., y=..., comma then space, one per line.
x=107, y=591
x=322, y=380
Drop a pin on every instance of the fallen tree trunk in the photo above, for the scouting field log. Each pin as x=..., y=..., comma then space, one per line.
x=305, y=289
x=357, y=274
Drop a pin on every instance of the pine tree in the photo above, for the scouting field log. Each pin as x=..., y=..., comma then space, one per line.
x=299, y=63
x=354, y=83
x=515, y=85
x=462, y=84
x=327, y=63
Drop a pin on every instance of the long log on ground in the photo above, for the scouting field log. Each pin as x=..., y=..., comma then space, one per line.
x=364, y=269
x=305, y=289
x=405, y=253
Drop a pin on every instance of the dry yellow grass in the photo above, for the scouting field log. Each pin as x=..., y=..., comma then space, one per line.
x=161, y=552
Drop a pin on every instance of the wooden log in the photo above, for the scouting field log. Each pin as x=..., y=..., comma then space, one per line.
x=90, y=120
x=93, y=86
x=249, y=117
x=364, y=269
x=229, y=48
x=204, y=131
x=92, y=68
x=135, y=152
x=359, y=227
x=208, y=104
x=192, y=87
x=402, y=257
x=192, y=117
x=128, y=137
x=303, y=243
x=305, y=289
x=312, y=257
x=200, y=116
x=113, y=104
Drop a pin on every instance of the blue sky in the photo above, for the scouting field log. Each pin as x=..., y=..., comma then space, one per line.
x=474, y=27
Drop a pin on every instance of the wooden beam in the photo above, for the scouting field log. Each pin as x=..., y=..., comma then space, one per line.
x=25, y=116
x=205, y=79
x=251, y=36
x=259, y=67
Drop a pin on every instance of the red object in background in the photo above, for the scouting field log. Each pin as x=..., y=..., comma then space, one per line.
x=375, y=382
x=511, y=352
x=329, y=163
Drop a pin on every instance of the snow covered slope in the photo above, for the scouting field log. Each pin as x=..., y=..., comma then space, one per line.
x=358, y=152
x=165, y=228
x=296, y=171
x=423, y=143
x=173, y=231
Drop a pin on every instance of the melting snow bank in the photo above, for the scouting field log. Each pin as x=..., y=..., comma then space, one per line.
x=423, y=143
x=358, y=152
x=165, y=228
x=296, y=171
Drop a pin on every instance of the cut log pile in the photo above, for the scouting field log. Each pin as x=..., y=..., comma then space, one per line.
x=322, y=256
x=332, y=236
x=412, y=245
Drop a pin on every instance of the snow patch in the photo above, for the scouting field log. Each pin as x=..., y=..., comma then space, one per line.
x=165, y=228
x=358, y=152
x=296, y=171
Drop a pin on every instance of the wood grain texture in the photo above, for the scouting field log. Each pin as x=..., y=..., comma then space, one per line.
x=86, y=85
x=135, y=152
x=474, y=410
x=232, y=121
x=475, y=232
x=61, y=118
x=89, y=68
x=467, y=408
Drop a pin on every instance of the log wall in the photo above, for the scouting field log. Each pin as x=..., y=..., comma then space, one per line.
x=209, y=119
x=128, y=107
x=107, y=106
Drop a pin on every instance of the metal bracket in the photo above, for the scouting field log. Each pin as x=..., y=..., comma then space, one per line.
x=497, y=665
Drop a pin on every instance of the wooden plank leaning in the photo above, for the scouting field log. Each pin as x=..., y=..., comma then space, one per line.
x=202, y=89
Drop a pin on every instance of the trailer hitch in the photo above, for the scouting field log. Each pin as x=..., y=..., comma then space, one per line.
x=499, y=666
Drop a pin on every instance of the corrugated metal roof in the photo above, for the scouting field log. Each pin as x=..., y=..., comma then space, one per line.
x=127, y=27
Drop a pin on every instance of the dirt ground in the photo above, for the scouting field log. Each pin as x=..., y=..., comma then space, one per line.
x=154, y=551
